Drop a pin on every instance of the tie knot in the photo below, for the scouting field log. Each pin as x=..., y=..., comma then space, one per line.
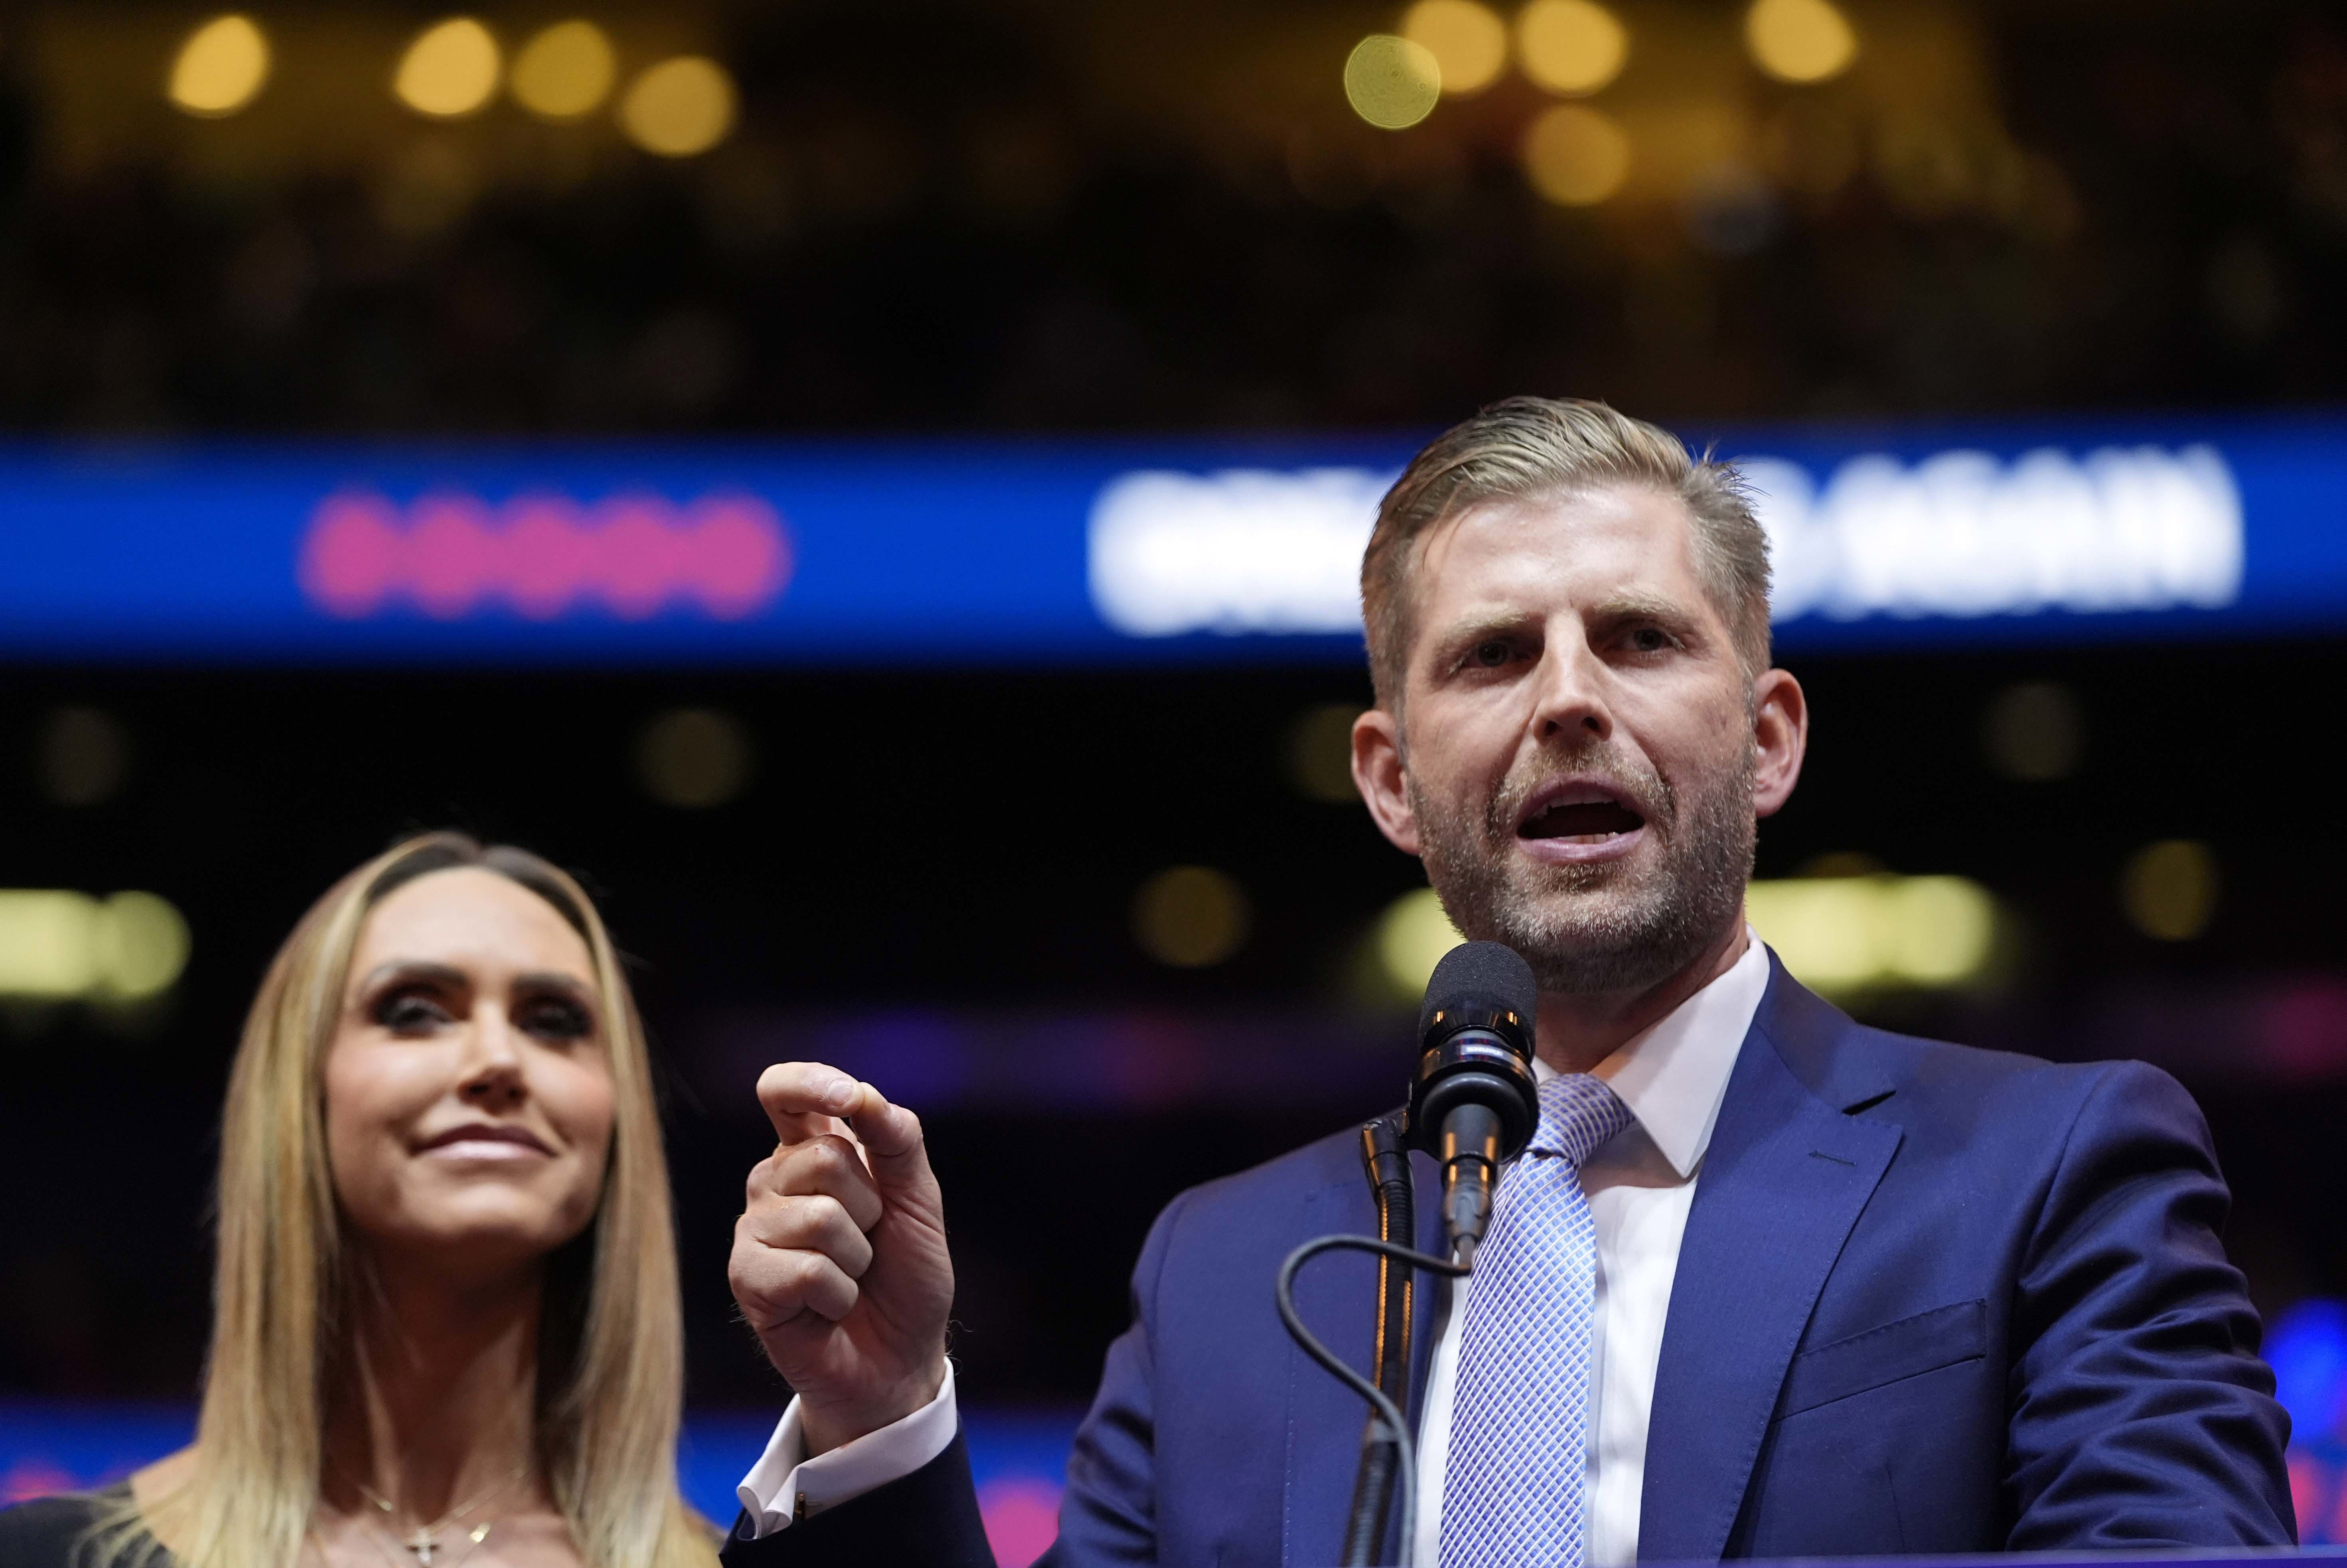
x=1577, y=1113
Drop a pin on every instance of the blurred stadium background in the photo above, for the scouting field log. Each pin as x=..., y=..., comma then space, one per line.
x=873, y=487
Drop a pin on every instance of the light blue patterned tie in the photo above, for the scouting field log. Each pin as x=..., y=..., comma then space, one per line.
x=1512, y=1487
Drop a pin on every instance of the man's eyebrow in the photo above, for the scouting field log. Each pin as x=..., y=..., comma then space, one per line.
x=1644, y=607
x=1475, y=627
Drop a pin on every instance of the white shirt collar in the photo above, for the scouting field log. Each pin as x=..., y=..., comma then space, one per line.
x=1674, y=1075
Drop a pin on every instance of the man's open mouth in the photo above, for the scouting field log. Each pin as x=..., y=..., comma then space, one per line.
x=1581, y=819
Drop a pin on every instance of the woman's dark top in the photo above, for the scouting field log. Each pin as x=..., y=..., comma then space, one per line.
x=49, y=1532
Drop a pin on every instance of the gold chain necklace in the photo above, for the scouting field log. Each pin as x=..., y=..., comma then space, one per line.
x=424, y=1544
x=376, y=1538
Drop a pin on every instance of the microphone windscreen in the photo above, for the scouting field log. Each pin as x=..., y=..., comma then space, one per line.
x=1482, y=974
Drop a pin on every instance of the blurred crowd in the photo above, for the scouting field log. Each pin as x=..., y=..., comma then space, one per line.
x=1046, y=217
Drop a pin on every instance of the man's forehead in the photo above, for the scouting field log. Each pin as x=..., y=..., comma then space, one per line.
x=1596, y=543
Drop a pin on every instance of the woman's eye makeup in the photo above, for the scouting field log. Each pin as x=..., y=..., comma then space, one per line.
x=408, y=1013
x=416, y=1009
x=555, y=1018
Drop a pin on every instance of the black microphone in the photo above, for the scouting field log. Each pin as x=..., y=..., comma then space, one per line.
x=1474, y=1101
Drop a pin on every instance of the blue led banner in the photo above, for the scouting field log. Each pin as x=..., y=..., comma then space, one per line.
x=947, y=551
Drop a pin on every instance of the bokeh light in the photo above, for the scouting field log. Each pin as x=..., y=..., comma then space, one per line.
x=81, y=757
x=1800, y=40
x=62, y=946
x=2032, y=732
x=1468, y=40
x=2306, y=1345
x=221, y=67
x=48, y=947
x=1571, y=46
x=1411, y=937
x=140, y=946
x=694, y=758
x=1575, y=156
x=565, y=71
x=1319, y=753
x=1844, y=934
x=1391, y=82
x=2168, y=890
x=1191, y=916
x=679, y=107
x=449, y=71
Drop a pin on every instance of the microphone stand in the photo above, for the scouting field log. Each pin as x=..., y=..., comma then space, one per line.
x=1387, y=1165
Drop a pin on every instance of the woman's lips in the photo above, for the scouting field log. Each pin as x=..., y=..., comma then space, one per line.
x=483, y=1149
x=481, y=1142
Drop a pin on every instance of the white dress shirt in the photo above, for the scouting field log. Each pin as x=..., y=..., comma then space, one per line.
x=783, y=1480
x=1640, y=1185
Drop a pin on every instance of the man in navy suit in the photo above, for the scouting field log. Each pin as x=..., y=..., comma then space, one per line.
x=1767, y=1284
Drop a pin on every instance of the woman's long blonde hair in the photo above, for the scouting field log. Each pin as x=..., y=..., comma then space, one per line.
x=611, y=1360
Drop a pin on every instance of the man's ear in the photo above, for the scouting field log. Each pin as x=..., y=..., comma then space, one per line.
x=1780, y=739
x=1379, y=775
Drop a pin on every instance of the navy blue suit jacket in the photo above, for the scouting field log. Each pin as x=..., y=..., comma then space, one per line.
x=1931, y=1299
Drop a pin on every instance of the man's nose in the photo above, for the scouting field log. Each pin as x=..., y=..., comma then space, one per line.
x=493, y=1062
x=1569, y=691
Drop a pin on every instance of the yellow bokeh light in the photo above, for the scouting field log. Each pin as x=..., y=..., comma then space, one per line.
x=1800, y=40
x=60, y=946
x=1392, y=83
x=1839, y=935
x=220, y=69
x=1191, y=916
x=1412, y=937
x=1320, y=752
x=1575, y=156
x=140, y=946
x=48, y=943
x=1571, y=46
x=449, y=71
x=1941, y=929
x=565, y=71
x=679, y=107
x=1468, y=40
x=693, y=758
x=2170, y=889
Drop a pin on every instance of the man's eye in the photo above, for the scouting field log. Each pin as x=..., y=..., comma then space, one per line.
x=1650, y=640
x=1490, y=654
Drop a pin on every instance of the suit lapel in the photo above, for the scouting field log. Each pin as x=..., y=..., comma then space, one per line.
x=1336, y=1297
x=1784, y=1180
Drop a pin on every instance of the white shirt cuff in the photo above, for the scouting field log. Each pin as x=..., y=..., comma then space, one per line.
x=784, y=1482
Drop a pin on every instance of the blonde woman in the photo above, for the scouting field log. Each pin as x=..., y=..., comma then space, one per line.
x=446, y=1329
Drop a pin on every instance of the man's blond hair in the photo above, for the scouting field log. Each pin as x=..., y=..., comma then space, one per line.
x=1527, y=446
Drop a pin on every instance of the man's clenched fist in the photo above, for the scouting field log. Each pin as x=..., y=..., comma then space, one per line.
x=839, y=1258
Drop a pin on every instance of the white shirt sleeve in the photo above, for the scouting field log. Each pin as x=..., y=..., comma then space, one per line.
x=784, y=1482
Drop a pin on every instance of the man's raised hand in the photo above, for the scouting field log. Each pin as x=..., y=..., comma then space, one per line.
x=839, y=1257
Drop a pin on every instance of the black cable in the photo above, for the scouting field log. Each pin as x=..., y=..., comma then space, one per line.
x=1396, y=1427
x=1385, y=1164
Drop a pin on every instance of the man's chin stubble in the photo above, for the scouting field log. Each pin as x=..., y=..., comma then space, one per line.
x=1583, y=938
x=1603, y=929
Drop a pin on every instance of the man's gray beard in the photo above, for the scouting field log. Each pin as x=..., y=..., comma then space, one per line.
x=1591, y=928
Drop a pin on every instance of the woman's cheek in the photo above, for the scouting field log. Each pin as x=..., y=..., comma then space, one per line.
x=587, y=1112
